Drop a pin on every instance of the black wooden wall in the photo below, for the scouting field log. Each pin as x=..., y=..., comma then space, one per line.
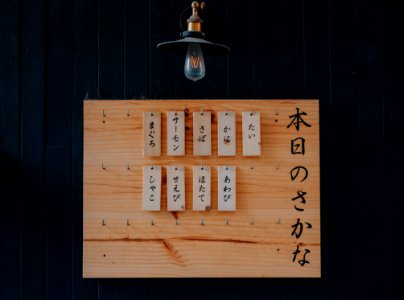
x=55, y=53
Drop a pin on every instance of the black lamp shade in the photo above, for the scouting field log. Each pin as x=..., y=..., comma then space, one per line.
x=180, y=46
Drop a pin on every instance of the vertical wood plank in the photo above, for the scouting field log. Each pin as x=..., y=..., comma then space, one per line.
x=161, y=64
x=370, y=123
x=10, y=222
x=111, y=49
x=343, y=85
x=136, y=50
x=265, y=51
x=59, y=20
x=391, y=78
x=216, y=28
x=9, y=72
x=33, y=152
x=240, y=38
x=85, y=74
x=10, y=191
x=110, y=290
x=59, y=85
x=291, y=66
x=317, y=79
x=59, y=243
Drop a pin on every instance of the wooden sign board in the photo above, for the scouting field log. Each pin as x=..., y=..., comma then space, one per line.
x=274, y=230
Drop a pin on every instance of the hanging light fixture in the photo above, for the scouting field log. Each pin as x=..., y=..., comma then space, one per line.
x=193, y=40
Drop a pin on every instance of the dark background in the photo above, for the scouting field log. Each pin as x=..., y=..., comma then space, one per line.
x=55, y=53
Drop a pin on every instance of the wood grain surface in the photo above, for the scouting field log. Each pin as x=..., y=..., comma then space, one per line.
x=122, y=240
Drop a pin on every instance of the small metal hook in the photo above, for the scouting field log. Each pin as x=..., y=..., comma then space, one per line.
x=277, y=112
x=103, y=222
x=277, y=166
x=227, y=167
x=227, y=111
x=279, y=221
x=152, y=167
x=128, y=113
x=227, y=221
x=202, y=168
x=103, y=113
x=152, y=222
x=176, y=168
x=202, y=222
x=127, y=222
x=128, y=167
x=103, y=167
x=201, y=111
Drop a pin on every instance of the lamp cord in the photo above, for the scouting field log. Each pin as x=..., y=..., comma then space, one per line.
x=181, y=16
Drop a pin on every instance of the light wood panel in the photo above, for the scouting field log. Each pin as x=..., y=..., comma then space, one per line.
x=256, y=240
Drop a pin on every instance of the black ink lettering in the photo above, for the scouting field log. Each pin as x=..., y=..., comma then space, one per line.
x=297, y=146
x=295, y=172
x=303, y=261
x=298, y=228
x=300, y=195
x=297, y=119
x=226, y=189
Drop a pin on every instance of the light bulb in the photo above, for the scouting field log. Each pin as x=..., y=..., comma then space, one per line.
x=194, y=67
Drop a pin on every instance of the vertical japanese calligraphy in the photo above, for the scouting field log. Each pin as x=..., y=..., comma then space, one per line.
x=251, y=133
x=226, y=180
x=152, y=133
x=151, y=188
x=175, y=188
x=202, y=133
x=175, y=133
x=226, y=133
x=299, y=174
x=201, y=188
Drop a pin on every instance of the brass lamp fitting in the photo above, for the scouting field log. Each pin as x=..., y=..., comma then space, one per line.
x=194, y=21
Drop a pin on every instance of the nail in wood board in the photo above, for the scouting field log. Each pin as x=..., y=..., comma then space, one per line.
x=151, y=188
x=175, y=188
x=152, y=134
x=226, y=133
x=251, y=133
x=175, y=133
x=202, y=133
x=226, y=181
x=201, y=188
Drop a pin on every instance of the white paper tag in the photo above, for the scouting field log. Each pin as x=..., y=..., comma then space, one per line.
x=226, y=180
x=202, y=133
x=175, y=188
x=226, y=133
x=201, y=188
x=251, y=134
x=175, y=133
x=151, y=188
x=152, y=133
